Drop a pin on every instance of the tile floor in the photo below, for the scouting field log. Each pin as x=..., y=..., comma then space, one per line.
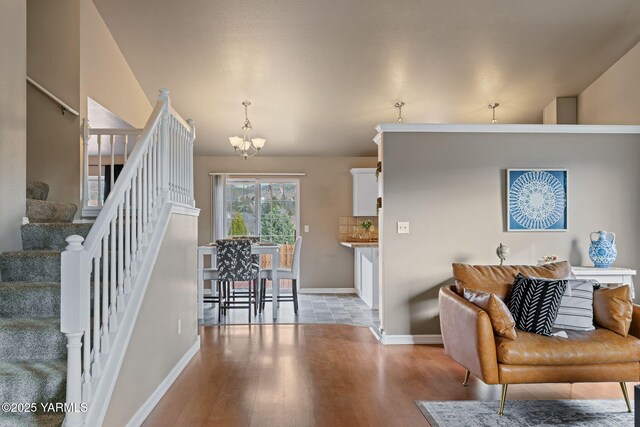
x=313, y=308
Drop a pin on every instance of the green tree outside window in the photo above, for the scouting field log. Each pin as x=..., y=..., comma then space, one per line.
x=276, y=225
x=238, y=226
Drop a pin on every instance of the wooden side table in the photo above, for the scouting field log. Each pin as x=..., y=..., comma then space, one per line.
x=607, y=276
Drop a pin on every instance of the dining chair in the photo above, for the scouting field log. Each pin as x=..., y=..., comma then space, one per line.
x=292, y=274
x=236, y=264
x=211, y=274
x=255, y=259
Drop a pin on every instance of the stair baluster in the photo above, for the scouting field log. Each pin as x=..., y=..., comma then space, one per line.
x=126, y=282
x=95, y=367
x=158, y=172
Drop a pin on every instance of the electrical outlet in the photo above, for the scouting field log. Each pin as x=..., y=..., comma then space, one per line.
x=403, y=228
x=306, y=228
x=179, y=326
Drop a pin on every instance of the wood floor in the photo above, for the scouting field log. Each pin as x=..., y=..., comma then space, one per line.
x=324, y=375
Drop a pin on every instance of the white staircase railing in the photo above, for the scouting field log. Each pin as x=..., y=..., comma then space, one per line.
x=99, y=277
x=103, y=149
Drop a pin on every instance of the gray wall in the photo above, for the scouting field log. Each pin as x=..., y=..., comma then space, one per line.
x=13, y=127
x=105, y=75
x=155, y=347
x=451, y=188
x=72, y=53
x=53, y=60
x=325, y=195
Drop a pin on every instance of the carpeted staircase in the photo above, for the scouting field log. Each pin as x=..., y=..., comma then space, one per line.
x=32, y=348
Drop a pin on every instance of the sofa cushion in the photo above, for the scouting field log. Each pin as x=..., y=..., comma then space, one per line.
x=534, y=303
x=576, y=307
x=501, y=319
x=498, y=279
x=612, y=309
x=580, y=348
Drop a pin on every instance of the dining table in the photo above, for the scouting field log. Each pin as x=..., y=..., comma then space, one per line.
x=257, y=248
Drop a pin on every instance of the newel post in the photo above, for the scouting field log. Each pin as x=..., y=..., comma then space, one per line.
x=164, y=144
x=192, y=139
x=74, y=318
x=85, y=162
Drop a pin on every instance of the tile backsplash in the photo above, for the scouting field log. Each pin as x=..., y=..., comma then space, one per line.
x=350, y=229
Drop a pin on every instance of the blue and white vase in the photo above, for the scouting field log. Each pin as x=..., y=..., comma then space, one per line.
x=602, y=250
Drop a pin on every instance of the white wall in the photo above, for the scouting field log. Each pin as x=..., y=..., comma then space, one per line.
x=614, y=98
x=451, y=188
x=13, y=125
x=155, y=346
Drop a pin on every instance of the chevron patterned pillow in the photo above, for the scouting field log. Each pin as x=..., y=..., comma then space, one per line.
x=534, y=303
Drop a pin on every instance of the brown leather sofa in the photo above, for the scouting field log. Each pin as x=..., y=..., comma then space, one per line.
x=593, y=356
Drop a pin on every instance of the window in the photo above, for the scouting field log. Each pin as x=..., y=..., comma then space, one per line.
x=264, y=208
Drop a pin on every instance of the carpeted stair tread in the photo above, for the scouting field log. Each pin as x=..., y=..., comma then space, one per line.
x=30, y=339
x=37, y=190
x=32, y=420
x=30, y=266
x=32, y=348
x=51, y=236
x=33, y=381
x=29, y=299
x=45, y=211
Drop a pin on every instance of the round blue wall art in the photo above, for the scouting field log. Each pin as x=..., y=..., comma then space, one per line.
x=537, y=200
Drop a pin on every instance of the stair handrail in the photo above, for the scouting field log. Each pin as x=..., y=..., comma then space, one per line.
x=159, y=171
x=110, y=206
x=96, y=136
x=63, y=105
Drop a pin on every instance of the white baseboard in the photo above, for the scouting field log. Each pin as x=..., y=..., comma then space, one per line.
x=375, y=333
x=143, y=412
x=411, y=339
x=327, y=290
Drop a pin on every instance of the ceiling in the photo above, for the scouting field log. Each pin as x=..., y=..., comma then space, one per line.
x=322, y=74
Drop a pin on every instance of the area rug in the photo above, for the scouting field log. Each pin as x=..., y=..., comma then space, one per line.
x=475, y=413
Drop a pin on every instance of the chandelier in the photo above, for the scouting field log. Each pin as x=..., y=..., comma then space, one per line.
x=245, y=145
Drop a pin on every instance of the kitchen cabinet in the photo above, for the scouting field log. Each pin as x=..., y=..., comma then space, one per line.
x=365, y=191
x=366, y=274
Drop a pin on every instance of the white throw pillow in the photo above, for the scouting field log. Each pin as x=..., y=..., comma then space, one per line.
x=576, y=310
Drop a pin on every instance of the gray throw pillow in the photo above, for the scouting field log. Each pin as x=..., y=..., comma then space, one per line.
x=576, y=309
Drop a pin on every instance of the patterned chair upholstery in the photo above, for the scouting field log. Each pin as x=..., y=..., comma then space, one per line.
x=252, y=239
x=234, y=260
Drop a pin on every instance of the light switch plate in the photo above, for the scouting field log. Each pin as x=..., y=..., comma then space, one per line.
x=403, y=228
x=306, y=228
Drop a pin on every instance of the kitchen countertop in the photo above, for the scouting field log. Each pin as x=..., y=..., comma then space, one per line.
x=360, y=244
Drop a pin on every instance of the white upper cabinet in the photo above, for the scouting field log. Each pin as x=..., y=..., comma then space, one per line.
x=365, y=191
